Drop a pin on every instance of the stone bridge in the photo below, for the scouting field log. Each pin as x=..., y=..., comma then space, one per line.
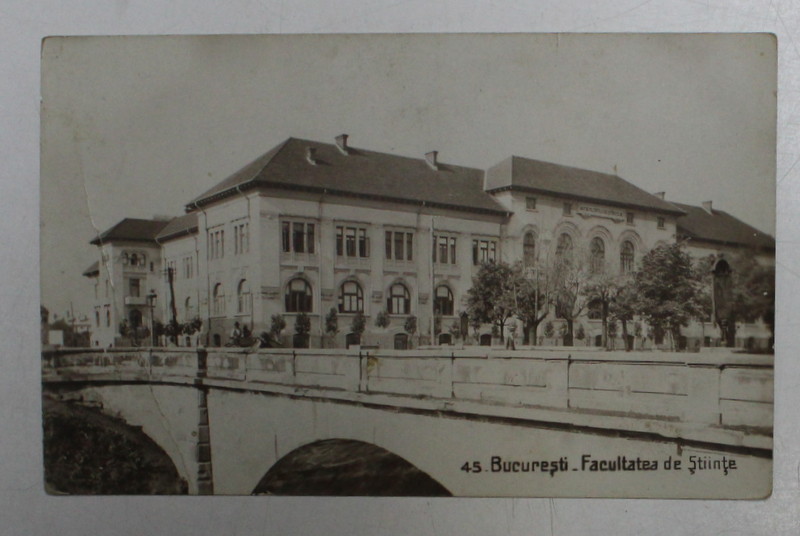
x=478, y=422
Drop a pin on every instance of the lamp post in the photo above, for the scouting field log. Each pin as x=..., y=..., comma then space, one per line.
x=151, y=303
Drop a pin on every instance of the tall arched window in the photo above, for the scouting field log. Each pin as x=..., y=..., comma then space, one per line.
x=443, y=301
x=218, y=307
x=399, y=302
x=187, y=309
x=243, y=295
x=597, y=250
x=529, y=249
x=564, y=246
x=626, y=252
x=351, y=298
x=298, y=296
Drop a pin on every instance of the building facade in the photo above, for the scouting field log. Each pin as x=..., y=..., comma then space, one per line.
x=316, y=231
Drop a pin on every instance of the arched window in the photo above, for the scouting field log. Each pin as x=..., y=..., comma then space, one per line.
x=564, y=247
x=243, y=295
x=298, y=296
x=187, y=309
x=529, y=249
x=134, y=260
x=142, y=259
x=597, y=250
x=443, y=301
x=125, y=259
x=351, y=298
x=445, y=339
x=399, y=302
x=218, y=308
x=626, y=257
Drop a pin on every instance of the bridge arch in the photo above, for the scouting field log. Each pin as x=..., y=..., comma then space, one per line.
x=346, y=467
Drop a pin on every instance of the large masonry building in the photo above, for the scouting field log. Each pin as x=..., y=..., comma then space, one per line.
x=311, y=227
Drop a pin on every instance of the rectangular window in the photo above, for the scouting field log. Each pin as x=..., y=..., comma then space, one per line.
x=444, y=249
x=310, y=237
x=660, y=223
x=134, y=287
x=484, y=251
x=567, y=209
x=352, y=242
x=216, y=244
x=399, y=245
x=297, y=237
x=241, y=240
x=530, y=203
x=363, y=241
x=188, y=268
x=285, y=242
x=629, y=217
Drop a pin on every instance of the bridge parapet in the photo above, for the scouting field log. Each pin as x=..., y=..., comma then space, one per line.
x=721, y=390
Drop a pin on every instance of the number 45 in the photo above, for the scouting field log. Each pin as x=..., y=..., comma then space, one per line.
x=474, y=467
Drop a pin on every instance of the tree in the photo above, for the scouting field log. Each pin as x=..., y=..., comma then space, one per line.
x=332, y=323
x=580, y=334
x=549, y=331
x=382, y=319
x=358, y=325
x=753, y=288
x=455, y=329
x=601, y=289
x=667, y=287
x=570, y=271
x=277, y=325
x=533, y=299
x=302, y=327
x=623, y=306
x=410, y=326
x=492, y=297
x=302, y=324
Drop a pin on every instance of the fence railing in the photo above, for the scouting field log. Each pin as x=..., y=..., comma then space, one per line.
x=724, y=389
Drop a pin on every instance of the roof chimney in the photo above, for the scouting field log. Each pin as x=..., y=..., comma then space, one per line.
x=707, y=207
x=341, y=143
x=311, y=155
x=660, y=195
x=431, y=158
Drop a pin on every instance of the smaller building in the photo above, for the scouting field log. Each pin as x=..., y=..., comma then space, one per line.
x=126, y=282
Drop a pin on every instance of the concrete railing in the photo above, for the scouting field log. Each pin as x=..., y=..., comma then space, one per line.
x=724, y=389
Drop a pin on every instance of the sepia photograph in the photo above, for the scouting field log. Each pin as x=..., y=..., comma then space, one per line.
x=468, y=265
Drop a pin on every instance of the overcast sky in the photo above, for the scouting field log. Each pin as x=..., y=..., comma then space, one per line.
x=138, y=126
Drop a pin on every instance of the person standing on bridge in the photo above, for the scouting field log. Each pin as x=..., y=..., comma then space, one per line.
x=236, y=334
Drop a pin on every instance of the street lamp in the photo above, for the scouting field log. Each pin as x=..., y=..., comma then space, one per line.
x=151, y=303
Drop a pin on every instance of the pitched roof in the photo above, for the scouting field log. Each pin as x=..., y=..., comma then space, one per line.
x=721, y=228
x=131, y=229
x=93, y=270
x=527, y=174
x=177, y=227
x=359, y=173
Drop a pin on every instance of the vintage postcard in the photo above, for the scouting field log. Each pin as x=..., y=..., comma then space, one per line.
x=409, y=265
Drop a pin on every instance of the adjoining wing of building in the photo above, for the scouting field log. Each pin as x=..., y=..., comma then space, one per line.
x=311, y=227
